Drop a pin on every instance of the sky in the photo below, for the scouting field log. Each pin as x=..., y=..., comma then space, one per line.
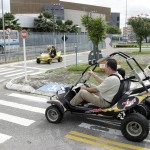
x=134, y=7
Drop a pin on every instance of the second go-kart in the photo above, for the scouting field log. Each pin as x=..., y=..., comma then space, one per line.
x=131, y=106
x=45, y=57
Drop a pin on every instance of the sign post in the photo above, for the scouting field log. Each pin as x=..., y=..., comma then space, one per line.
x=64, y=38
x=24, y=36
x=8, y=32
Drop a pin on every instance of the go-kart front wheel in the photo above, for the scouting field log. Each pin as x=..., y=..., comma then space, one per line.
x=135, y=127
x=38, y=61
x=49, y=61
x=60, y=59
x=53, y=114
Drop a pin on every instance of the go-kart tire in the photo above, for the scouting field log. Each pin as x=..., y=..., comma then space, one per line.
x=38, y=61
x=135, y=127
x=60, y=59
x=49, y=61
x=53, y=114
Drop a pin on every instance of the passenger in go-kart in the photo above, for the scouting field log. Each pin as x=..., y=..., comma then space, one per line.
x=121, y=71
x=102, y=94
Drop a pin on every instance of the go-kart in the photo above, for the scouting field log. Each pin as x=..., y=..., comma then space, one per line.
x=45, y=57
x=130, y=106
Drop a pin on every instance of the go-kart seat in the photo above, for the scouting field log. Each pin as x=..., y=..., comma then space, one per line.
x=124, y=87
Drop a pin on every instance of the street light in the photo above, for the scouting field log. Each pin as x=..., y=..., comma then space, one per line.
x=126, y=20
x=76, y=47
x=3, y=29
x=54, y=40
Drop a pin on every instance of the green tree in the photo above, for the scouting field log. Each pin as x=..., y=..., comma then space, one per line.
x=113, y=30
x=67, y=26
x=44, y=22
x=10, y=22
x=141, y=27
x=96, y=29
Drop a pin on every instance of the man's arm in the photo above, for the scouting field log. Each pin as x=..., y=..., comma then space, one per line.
x=98, y=79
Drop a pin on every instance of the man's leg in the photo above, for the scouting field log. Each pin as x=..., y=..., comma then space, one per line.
x=84, y=95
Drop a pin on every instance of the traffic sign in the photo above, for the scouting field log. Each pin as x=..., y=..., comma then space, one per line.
x=24, y=34
x=8, y=31
x=66, y=38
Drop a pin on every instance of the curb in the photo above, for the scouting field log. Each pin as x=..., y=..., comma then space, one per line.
x=12, y=85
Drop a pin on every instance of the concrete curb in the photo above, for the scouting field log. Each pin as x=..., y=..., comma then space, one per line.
x=12, y=85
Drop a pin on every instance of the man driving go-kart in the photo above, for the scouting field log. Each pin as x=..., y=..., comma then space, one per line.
x=102, y=94
x=49, y=56
x=114, y=98
x=52, y=52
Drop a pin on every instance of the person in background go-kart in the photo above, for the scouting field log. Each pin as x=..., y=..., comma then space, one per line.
x=102, y=94
x=52, y=52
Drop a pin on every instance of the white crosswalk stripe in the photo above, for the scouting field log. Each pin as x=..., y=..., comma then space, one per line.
x=4, y=137
x=25, y=108
x=22, y=106
x=15, y=119
x=13, y=72
x=29, y=97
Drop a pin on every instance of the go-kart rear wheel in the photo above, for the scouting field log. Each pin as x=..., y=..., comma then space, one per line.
x=135, y=127
x=49, y=61
x=60, y=59
x=53, y=114
x=38, y=61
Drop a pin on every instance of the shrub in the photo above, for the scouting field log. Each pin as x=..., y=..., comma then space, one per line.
x=126, y=45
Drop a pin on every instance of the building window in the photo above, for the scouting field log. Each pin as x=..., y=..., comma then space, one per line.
x=118, y=18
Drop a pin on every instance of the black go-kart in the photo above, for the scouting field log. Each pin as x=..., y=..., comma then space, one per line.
x=131, y=106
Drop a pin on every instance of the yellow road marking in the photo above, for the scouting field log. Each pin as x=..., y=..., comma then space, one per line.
x=108, y=141
x=91, y=142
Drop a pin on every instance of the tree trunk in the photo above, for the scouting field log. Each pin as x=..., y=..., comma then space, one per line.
x=95, y=48
x=140, y=45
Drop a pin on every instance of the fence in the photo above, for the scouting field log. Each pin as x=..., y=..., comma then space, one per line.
x=36, y=43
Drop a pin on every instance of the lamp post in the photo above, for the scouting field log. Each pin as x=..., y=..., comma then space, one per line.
x=3, y=22
x=126, y=21
x=54, y=38
x=76, y=47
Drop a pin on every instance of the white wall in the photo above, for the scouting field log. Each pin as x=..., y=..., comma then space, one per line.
x=26, y=20
x=75, y=16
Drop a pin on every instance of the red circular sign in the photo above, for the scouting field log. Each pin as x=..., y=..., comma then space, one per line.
x=24, y=34
x=8, y=31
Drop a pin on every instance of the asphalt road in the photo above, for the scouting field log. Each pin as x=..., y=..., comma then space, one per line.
x=23, y=125
x=15, y=70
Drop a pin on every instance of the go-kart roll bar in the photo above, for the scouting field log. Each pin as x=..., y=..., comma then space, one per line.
x=128, y=58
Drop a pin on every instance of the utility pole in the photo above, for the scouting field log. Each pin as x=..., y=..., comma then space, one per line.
x=54, y=40
x=3, y=29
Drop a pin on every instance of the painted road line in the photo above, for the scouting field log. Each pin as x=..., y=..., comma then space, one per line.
x=32, y=68
x=4, y=137
x=9, y=72
x=17, y=74
x=15, y=119
x=29, y=98
x=106, y=121
x=36, y=73
x=103, y=129
x=83, y=140
x=99, y=139
x=6, y=69
x=100, y=129
x=22, y=107
x=1, y=80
